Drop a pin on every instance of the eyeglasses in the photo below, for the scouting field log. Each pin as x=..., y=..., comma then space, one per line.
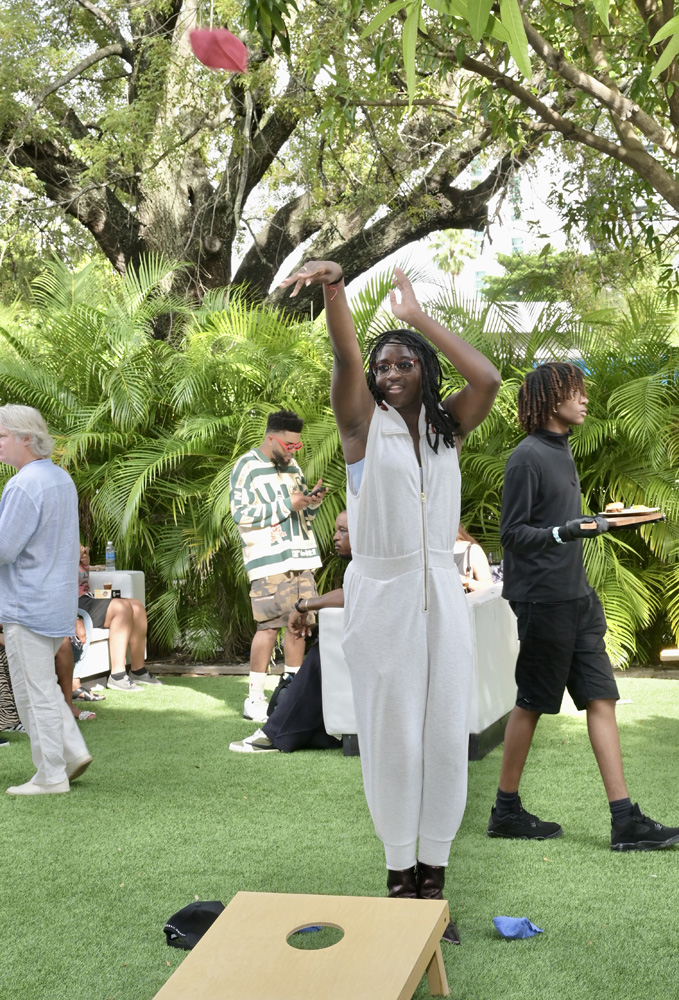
x=405, y=367
x=289, y=446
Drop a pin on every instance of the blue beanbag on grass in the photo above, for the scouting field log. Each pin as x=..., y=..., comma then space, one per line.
x=516, y=927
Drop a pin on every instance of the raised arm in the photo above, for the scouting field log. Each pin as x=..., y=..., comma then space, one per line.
x=471, y=405
x=351, y=399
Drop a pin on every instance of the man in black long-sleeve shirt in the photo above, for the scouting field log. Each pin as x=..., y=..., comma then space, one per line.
x=560, y=620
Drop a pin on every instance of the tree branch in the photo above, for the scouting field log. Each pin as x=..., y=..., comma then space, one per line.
x=264, y=147
x=653, y=18
x=115, y=229
x=597, y=53
x=623, y=107
x=110, y=25
x=645, y=165
x=95, y=57
x=291, y=226
x=433, y=205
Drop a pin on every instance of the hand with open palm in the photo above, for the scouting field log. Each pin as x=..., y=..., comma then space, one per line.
x=314, y=272
x=408, y=309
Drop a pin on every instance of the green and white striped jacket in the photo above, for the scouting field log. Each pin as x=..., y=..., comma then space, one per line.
x=275, y=538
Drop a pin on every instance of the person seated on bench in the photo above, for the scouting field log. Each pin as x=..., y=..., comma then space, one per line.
x=125, y=619
x=471, y=562
x=296, y=721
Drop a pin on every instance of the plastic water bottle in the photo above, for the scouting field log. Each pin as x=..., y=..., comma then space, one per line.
x=110, y=557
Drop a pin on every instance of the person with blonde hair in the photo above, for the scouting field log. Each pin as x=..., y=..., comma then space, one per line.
x=27, y=423
x=39, y=549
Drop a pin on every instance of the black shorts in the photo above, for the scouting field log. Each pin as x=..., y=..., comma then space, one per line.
x=96, y=607
x=562, y=647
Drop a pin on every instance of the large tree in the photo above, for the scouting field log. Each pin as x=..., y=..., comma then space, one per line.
x=601, y=75
x=107, y=119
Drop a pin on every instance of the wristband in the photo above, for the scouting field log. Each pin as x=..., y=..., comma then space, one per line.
x=297, y=606
x=557, y=537
x=335, y=286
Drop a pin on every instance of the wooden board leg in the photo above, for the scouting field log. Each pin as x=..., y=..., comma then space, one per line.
x=436, y=975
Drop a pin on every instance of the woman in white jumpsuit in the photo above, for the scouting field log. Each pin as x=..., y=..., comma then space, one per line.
x=407, y=634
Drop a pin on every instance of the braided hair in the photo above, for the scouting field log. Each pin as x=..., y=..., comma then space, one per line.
x=543, y=389
x=439, y=421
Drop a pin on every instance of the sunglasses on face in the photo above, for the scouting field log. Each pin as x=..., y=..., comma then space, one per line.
x=405, y=367
x=289, y=446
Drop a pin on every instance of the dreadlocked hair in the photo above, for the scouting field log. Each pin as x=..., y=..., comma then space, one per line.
x=542, y=391
x=439, y=423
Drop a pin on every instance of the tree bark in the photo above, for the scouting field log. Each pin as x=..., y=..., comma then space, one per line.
x=435, y=204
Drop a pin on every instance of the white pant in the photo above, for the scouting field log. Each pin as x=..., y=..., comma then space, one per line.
x=49, y=722
x=411, y=677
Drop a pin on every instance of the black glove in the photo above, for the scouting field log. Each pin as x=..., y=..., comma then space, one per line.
x=582, y=527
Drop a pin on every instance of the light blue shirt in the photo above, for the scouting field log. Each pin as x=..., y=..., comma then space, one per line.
x=39, y=549
x=355, y=475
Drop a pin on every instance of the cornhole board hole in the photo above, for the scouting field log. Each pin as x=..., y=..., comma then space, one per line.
x=388, y=945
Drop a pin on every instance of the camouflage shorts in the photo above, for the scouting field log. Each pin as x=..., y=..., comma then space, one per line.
x=274, y=597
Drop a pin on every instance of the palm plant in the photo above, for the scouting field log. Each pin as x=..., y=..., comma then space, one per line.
x=626, y=450
x=150, y=430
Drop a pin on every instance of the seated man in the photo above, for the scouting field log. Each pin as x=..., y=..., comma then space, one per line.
x=296, y=721
x=125, y=618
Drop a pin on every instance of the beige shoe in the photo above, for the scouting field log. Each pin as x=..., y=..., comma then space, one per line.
x=33, y=788
x=75, y=768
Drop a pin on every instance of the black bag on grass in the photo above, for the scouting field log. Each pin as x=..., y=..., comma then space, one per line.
x=186, y=927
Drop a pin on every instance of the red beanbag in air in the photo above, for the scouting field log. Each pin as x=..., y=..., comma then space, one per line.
x=219, y=49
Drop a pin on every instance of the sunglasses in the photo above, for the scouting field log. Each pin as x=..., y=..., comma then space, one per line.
x=289, y=446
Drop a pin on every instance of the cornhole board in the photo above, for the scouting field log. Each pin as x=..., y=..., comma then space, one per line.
x=387, y=947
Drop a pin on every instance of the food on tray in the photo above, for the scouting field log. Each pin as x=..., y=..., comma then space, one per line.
x=619, y=510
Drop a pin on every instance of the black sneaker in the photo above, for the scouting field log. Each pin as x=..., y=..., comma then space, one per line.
x=521, y=826
x=641, y=833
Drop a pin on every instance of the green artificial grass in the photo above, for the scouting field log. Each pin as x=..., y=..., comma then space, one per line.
x=166, y=814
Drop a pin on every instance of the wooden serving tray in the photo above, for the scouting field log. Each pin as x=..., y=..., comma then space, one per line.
x=633, y=518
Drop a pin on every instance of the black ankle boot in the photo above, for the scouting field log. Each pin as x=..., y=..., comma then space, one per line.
x=430, y=882
x=402, y=884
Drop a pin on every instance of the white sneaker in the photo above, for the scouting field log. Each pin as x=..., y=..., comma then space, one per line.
x=256, y=743
x=33, y=788
x=122, y=684
x=75, y=768
x=255, y=709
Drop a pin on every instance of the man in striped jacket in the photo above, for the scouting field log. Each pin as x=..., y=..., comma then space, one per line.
x=274, y=510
